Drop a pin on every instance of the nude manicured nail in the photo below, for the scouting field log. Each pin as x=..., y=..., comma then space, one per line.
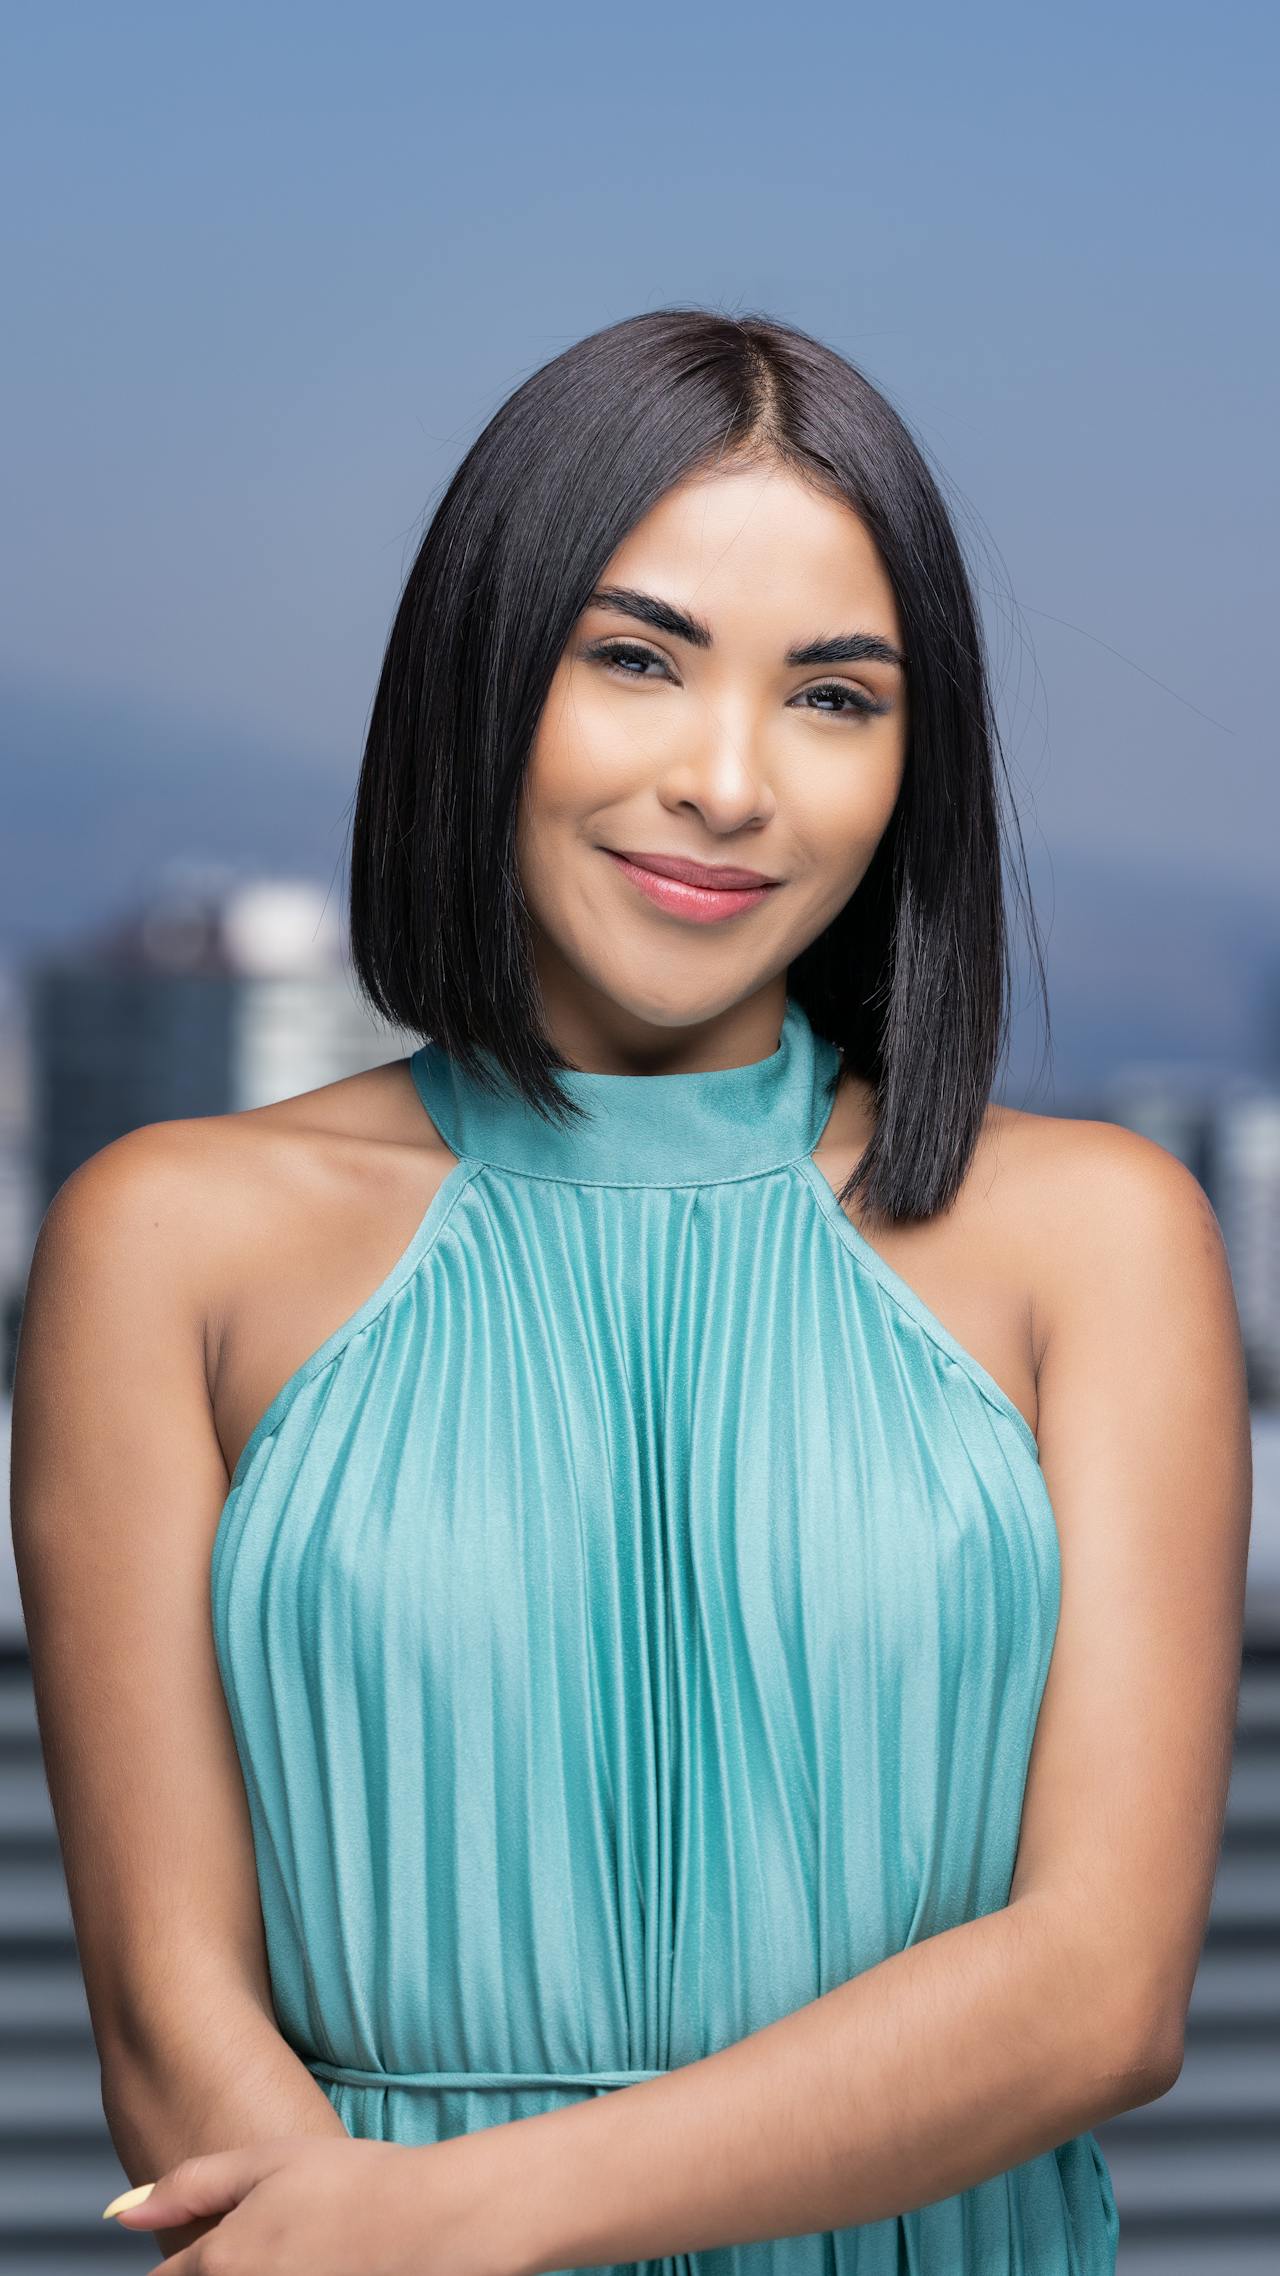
x=130, y=2197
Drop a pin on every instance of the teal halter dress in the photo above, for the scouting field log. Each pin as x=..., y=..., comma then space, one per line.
x=633, y=1622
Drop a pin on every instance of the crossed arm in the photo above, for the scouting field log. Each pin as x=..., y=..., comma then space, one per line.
x=939, y=2067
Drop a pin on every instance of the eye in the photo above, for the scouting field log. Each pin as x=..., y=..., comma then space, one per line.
x=619, y=654
x=853, y=702
x=849, y=702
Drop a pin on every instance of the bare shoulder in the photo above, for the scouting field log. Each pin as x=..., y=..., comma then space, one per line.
x=1042, y=1178
x=132, y=1210
x=185, y=1202
x=1087, y=1201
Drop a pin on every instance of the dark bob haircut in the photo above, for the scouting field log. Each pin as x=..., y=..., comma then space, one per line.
x=912, y=979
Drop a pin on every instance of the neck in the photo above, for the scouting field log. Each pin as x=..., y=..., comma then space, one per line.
x=614, y=1041
x=697, y=1126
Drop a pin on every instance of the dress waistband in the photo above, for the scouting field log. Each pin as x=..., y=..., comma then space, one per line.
x=345, y=2074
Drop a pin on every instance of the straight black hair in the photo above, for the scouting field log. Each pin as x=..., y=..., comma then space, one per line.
x=912, y=979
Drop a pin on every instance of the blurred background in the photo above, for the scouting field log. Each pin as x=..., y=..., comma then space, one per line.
x=267, y=272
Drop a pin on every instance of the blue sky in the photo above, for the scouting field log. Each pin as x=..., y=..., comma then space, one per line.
x=268, y=270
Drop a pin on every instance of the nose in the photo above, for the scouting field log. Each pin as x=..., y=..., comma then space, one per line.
x=721, y=766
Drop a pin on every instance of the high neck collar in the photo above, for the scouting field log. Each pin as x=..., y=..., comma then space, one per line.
x=692, y=1129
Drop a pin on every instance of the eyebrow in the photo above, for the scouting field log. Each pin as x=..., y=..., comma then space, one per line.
x=836, y=648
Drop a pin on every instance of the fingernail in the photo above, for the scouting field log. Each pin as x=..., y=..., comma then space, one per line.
x=130, y=2197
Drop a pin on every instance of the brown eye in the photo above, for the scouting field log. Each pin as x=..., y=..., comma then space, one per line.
x=622, y=653
x=853, y=702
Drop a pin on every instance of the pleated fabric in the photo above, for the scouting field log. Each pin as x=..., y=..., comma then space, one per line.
x=633, y=1622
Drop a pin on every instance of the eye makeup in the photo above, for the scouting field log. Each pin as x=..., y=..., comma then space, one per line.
x=854, y=702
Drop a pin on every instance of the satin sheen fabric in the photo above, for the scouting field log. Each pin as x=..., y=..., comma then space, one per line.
x=633, y=1622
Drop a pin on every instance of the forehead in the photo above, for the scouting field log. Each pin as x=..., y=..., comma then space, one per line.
x=757, y=541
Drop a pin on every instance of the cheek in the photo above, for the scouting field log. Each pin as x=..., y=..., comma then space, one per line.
x=592, y=747
x=567, y=781
x=841, y=829
x=836, y=835
x=549, y=808
x=841, y=810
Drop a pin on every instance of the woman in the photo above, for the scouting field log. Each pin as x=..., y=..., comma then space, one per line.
x=657, y=1458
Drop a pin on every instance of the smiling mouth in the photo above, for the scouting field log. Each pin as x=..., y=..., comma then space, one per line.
x=698, y=902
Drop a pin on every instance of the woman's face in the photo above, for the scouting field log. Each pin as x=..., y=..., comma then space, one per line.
x=704, y=740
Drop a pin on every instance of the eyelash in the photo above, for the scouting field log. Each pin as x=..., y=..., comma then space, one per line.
x=858, y=704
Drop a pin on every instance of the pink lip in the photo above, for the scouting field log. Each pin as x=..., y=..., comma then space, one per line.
x=715, y=876
x=688, y=889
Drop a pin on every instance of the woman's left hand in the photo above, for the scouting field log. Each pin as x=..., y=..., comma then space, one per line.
x=307, y=2206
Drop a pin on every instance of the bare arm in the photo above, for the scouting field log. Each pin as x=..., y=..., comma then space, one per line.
x=1004, y=2036
x=118, y=1480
